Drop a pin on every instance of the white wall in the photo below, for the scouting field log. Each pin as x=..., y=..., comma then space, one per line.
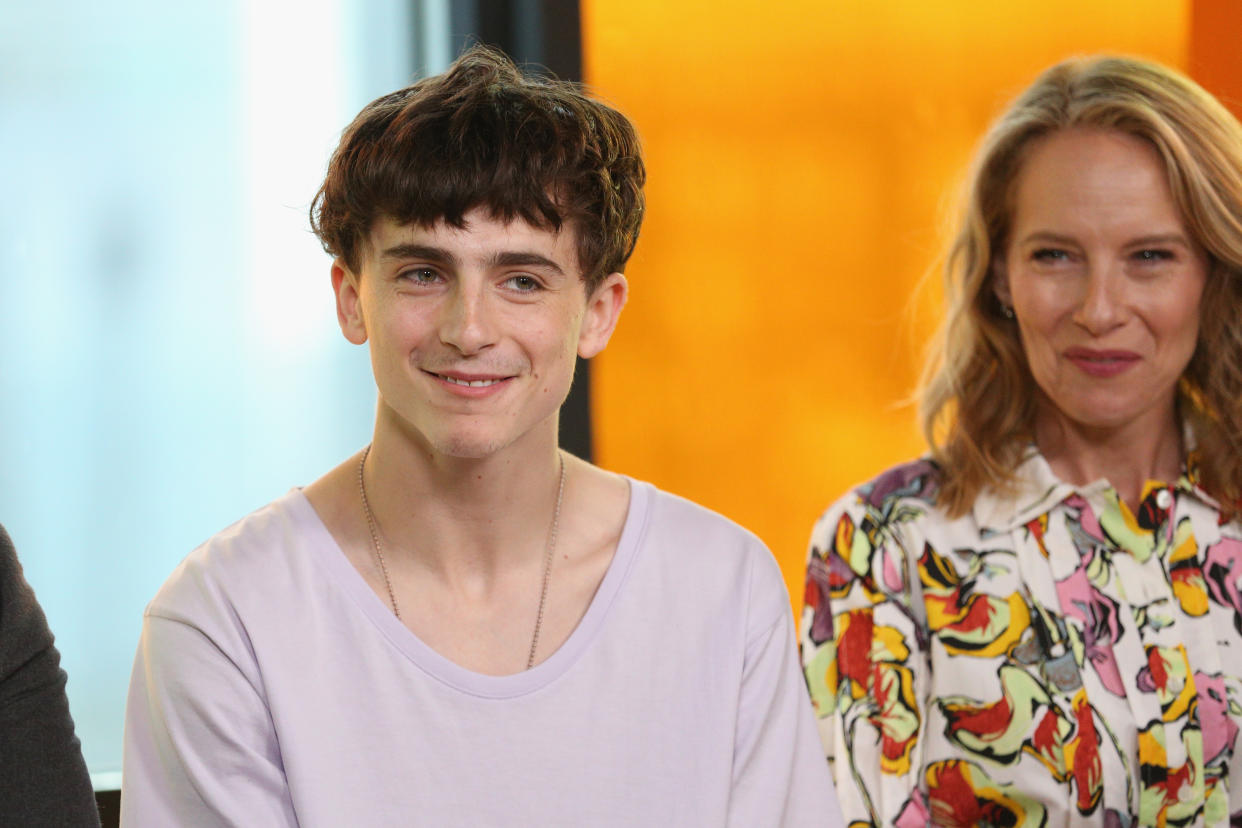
x=169, y=356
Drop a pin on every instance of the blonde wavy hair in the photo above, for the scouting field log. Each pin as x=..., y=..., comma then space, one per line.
x=977, y=396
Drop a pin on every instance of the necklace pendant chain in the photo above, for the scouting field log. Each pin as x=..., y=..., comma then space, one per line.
x=547, y=564
x=375, y=539
x=549, y=550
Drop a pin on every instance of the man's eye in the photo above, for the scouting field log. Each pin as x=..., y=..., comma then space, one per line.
x=421, y=275
x=524, y=284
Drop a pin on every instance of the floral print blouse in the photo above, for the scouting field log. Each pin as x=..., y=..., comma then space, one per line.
x=1047, y=659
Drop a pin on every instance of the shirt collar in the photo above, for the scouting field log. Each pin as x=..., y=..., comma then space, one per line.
x=1037, y=490
x=1188, y=482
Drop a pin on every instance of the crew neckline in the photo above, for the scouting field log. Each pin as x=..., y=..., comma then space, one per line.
x=329, y=553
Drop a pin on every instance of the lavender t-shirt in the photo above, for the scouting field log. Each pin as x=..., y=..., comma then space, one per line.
x=272, y=687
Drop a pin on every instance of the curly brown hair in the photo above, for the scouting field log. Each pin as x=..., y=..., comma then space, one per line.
x=977, y=398
x=483, y=134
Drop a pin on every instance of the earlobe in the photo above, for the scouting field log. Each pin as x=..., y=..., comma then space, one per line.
x=602, y=312
x=348, y=307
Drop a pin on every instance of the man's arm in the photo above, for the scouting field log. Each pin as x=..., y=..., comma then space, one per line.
x=200, y=747
x=780, y=777
x=43, y=779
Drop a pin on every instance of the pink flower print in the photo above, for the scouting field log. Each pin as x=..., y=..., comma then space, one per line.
x=1222, y=568
x=1220, y=731
x=1101, y=627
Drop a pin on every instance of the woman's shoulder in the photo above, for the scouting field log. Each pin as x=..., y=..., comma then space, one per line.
x=896, y=510
x=914, y=485
x=917, y=480
x=872, y=537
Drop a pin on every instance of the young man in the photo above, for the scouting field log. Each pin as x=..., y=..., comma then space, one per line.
x=463, y=625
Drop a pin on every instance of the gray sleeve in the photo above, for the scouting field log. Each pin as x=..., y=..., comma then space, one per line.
x=43, y=778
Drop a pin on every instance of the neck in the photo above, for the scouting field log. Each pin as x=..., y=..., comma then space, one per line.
x=1127, y=457
x=462, y=517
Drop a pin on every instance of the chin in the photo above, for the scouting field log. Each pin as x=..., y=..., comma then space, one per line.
x=1106, y=417
x=466, y=446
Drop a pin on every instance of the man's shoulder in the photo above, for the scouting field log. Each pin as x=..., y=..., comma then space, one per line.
x=247, y=558
x=676, y=518
x=725, y=561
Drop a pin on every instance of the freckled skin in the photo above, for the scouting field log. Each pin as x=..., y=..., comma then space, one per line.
x=471, y=313
x=1100, y=259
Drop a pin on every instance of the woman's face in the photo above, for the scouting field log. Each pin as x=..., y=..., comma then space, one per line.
x=1104, y=279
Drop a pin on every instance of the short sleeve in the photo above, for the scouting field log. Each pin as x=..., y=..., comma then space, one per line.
x=779, y=774
x=200, y=747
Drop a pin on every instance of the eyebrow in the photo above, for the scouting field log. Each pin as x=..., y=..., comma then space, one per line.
x=524, y=258
x=1047, y=236
x=438, y=255
x=1154, y=239
x=418, y=251
x=1161, y=238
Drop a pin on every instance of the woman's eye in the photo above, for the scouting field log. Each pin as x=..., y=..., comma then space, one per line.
x=1156, y=255
x=1049, y=254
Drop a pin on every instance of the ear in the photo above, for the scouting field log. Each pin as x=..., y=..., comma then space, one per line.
x=348, y=306
x=1000, y=283
x=602, y=312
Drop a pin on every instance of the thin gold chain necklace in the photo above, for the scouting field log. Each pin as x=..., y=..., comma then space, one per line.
x=547, y=559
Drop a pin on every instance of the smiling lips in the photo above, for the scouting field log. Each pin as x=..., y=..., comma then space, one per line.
x=467, y=384
x=1101, y=363
x=483, y=383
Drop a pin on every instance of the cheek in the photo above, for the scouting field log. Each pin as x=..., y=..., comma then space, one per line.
x=1190, y=309
x=558, y=374
x=1039, y=301
x=1183, y=332
x=1042, y=312
x=1038, y=338
x=1175, y=316
x=1034, y=334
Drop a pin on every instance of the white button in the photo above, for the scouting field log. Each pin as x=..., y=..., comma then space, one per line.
x=1164, y=500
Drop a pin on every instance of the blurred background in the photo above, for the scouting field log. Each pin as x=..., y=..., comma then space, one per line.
x=169, y=354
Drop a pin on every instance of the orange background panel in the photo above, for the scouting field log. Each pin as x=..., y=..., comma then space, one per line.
x=800, y=157
x=1215, y=56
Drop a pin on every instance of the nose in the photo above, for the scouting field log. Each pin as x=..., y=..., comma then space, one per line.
x=1099, y=308
x=465, y=322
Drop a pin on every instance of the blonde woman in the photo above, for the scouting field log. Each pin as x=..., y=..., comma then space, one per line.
x=1041, y=622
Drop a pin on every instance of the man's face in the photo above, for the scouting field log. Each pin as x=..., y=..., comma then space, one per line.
x=474, y=331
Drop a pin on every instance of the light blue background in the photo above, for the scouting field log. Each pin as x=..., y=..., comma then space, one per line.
x=169, y=354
